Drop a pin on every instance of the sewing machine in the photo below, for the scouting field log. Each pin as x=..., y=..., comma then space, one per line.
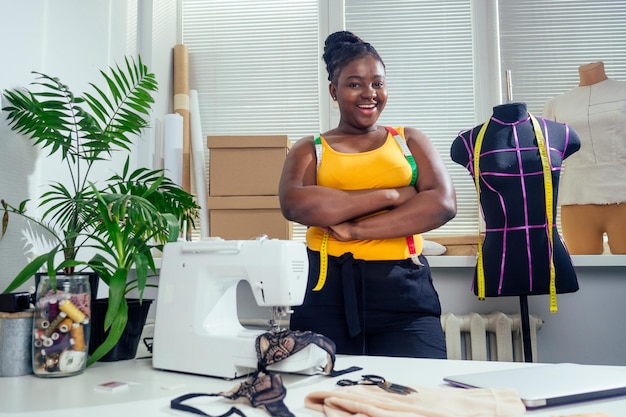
x=197, y=329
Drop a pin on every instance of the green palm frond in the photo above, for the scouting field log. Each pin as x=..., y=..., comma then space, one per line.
x=122, y=110
x=48, y=117
x=81, y=130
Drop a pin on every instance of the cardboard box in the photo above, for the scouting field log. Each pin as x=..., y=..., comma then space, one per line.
x=247, y=217
x=246, y=165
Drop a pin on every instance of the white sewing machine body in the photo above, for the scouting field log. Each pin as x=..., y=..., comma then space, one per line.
x=197, y=329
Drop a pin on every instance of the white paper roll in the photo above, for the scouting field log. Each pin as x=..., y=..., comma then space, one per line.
x=199, y=169
x=173, y=147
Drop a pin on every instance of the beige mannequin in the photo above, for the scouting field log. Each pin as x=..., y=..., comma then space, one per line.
x=593, y=186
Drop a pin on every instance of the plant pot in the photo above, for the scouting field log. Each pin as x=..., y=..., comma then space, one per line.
x=126, y=347
x=16, y=339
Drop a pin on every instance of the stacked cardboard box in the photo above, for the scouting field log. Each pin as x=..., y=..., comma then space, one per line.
x=244, y=172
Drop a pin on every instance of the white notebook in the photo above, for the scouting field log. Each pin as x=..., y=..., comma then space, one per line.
x=551, y=384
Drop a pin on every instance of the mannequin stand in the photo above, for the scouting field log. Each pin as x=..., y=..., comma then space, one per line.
x=525, y=318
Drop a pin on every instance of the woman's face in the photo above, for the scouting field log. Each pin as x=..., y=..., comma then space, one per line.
x=361, y=92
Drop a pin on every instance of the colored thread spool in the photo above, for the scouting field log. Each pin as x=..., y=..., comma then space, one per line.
x=38, y=334
x=78, y=335
x=72, y=311
x=47, y=342
x=65, y=325
x=38, y=343
x=72, y=361
x=53, y=326
x=63, y=344
x=42, y=323
x=55, y=336
x=53, y=309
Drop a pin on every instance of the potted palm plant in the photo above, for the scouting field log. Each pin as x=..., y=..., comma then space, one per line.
x=123, y=218
x=132, y=211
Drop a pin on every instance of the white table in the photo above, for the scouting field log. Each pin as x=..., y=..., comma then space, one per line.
x=151, y=390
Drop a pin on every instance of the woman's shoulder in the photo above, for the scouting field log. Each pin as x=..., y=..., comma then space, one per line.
x=303, y=145
x=305, y=141
x=412, y=133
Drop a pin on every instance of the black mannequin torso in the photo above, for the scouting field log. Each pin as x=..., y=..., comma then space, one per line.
x=512, y=196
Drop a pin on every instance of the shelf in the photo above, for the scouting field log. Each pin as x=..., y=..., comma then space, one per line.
x=578, y=260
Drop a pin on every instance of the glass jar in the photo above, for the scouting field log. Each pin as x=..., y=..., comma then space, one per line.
x=61, y=325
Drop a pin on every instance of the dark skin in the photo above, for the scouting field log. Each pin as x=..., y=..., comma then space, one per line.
x=361, y=94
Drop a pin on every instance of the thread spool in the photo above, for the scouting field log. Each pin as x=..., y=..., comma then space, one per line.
x=53, y=326
x=65, y=325
x=63, y=344
x=69, y=308
x=71, y=361
x=78, y=335
x=38, y=334
x=47, y=342
x=42, y=323
x=53, y=309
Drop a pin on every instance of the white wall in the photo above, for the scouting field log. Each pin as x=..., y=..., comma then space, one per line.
x=588, y=327
x=73, y=40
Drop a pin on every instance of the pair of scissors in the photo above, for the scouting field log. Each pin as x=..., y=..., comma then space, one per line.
x=378, y=381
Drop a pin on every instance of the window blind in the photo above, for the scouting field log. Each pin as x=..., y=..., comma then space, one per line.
x=543, y=42
x=255, y=65
x=427, y=49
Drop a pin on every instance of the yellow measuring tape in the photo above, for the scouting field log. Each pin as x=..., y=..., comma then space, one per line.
x=321, y=280
x=547, y=182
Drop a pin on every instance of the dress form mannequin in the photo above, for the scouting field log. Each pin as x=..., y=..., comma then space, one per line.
x=516, y=248
x=592, y=194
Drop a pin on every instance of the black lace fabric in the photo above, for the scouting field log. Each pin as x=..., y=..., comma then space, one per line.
x=273, y=347
x=264, y=389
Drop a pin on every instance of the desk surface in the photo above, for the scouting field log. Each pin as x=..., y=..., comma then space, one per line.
x=151, y=390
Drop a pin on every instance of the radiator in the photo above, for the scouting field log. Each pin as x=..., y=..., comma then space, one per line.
x=488, y=337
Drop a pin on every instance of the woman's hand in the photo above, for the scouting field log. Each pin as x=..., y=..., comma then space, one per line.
x=342, y=231
x=404, y=195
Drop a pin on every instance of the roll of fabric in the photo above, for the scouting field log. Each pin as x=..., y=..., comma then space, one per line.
x=197, y=147
x=181, y=106
x=173, y=147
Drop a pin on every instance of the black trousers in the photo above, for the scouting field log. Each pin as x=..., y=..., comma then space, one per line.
x=388, y=308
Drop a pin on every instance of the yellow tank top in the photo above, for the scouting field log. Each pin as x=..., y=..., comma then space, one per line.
x=384, y=167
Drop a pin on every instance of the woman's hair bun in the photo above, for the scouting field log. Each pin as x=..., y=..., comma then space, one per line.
x=342, y=47
x=343, y=36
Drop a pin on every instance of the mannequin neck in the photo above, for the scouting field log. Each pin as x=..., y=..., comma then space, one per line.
x=510, y=113
x=591, y=73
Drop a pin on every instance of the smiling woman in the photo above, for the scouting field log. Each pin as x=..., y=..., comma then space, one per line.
x=367, y=193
